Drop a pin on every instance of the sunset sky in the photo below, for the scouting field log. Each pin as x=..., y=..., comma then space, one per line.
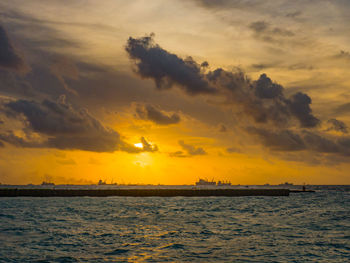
x=169, y=91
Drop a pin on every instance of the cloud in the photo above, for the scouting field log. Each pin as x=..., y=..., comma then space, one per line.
x=281, y=123
x=66, y=162
x=337, y=125
x=266, y=89
x=260, y=66
x=224, y=4
x=300, y=66
x=284, y=140
x=277, y=64
x=259, y=26
x=149, y=112
x=321, y=144
x=64, y=69
x=294, y=14
x=147, y=147
x=9, y=57
x=263, y=31
x=192, y=150
x=300, y=108
x=289, y=141
x=179, y=154
x=344, y=108
x=344, y=142
x=165, y=68
x=263, y=99
x=233, y=150
x=60, y=125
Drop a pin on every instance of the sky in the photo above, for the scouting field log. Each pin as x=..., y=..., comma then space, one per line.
x=167, y=92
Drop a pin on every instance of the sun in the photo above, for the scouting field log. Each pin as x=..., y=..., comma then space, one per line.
x=139, y=145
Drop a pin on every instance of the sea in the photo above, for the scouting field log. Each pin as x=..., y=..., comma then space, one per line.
x=304, y=227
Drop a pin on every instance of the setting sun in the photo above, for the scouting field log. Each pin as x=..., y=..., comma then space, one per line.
x=138, y=145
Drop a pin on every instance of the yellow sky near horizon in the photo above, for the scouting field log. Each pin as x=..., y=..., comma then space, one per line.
x=303, y=47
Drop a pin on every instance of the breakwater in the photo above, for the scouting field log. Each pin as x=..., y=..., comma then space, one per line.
x=141, y=192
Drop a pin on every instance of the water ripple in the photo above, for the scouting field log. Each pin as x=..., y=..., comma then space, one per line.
x=299, y=228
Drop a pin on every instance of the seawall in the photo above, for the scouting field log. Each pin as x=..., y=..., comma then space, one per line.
x=141, y=192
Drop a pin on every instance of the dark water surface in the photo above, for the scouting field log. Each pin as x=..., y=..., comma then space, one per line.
x=307, y=227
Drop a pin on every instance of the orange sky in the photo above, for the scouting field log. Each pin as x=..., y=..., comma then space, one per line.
x=95, y=90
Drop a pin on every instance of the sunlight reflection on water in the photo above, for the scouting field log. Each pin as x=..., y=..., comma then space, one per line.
x=300, y=228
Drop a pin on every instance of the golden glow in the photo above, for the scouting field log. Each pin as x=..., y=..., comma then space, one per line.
x=139, y=145
x=185, y=29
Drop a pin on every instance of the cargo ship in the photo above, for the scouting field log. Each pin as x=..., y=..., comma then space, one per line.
x=205, y=182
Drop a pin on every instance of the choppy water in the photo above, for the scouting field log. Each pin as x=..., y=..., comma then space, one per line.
x=300, y=228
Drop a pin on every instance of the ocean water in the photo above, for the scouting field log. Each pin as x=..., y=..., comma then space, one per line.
x=307, y=227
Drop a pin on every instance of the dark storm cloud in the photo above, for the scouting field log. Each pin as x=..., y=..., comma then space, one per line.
x=149, y=112
x=63, y=127
x=166, y=69
x=263, y=100
x=337, y=125
x=192, y=150
x=9, y=57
